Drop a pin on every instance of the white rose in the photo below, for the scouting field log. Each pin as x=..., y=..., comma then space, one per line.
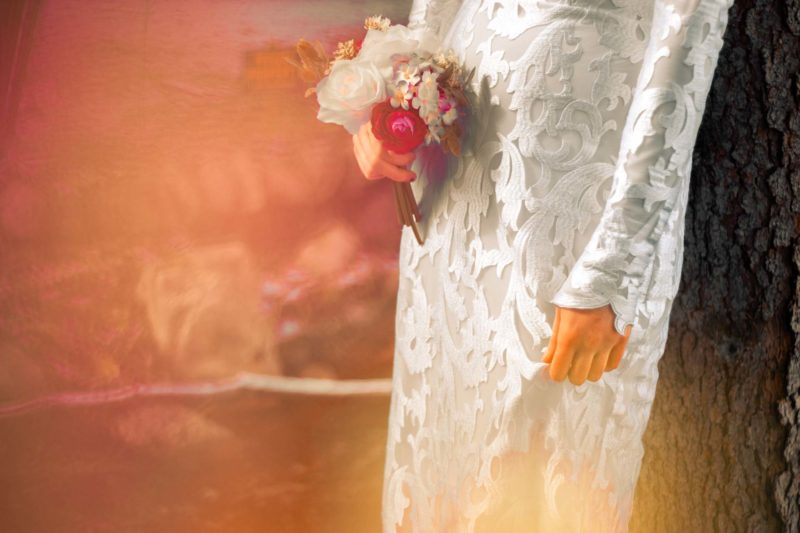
x=379, y=46
x=346, y=95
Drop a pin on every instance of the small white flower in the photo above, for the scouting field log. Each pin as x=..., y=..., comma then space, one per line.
x=450, y=116
x=428, y=90
x=429, y=110
x=429, y=78
x=400, y=96
x=427, y=98
x=408, y=73
x=430, y=116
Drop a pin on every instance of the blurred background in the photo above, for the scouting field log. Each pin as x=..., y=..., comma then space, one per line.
x=197, y=291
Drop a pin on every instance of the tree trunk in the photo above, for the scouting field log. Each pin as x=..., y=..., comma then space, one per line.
x=722, y=446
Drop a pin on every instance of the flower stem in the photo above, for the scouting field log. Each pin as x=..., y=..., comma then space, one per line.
x=402, y=205
x=397, y=200
x=412, y=202
x=404, y=202
x=411, y=207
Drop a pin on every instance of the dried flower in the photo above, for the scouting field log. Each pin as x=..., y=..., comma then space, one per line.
x=377, y=22
x=345, y=50
x=451, y=139
x=446, y=59
x=314, y=63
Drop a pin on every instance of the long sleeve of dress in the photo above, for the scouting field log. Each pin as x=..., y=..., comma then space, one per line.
x=654, y=159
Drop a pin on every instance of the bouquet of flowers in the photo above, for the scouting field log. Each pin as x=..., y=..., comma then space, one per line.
x=401, y=81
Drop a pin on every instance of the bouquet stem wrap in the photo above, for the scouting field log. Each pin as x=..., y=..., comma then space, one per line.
x=407, y=208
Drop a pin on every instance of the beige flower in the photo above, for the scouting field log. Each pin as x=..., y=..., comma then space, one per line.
x=345, y=50
x=377, y=22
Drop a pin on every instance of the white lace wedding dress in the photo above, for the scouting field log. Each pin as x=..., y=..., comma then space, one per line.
x=571, y=191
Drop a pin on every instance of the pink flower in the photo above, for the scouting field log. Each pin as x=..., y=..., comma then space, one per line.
x=400, y=130
x=445, y=103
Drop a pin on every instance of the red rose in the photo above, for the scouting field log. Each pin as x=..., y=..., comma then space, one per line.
x=400, y=130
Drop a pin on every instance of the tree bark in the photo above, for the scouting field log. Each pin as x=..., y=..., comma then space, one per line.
x=722, y=445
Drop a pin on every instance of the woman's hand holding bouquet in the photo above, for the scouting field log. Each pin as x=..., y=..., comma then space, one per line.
x=393, y=91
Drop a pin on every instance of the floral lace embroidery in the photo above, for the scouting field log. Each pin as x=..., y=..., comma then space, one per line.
x=571, y=191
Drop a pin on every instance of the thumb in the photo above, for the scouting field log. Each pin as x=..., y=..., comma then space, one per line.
x=615, y=356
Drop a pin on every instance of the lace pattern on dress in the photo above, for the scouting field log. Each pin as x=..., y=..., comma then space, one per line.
x=571, y=190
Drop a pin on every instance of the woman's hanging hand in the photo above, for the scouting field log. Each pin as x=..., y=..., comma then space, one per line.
x=376, y=161
x=584, y=344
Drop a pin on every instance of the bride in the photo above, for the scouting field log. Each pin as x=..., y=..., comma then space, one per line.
x=530, y=323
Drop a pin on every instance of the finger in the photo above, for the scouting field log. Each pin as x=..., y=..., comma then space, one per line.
x=386, y=163
x=598, y=365
x=551, y=347
x=370, y=139
x=616, y=354
x=394, y=158
x=373, y=169
x=365, y=130
x=369, y=144
x=562, y=359
x=393, y=172
x=581, y=364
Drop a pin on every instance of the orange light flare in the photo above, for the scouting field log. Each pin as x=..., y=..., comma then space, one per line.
x=172, y=216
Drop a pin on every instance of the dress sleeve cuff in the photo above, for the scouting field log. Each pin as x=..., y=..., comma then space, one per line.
x=624, y=308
